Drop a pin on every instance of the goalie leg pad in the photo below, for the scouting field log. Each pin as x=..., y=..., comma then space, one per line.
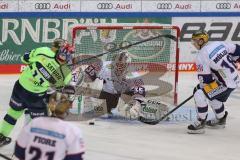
x=148, y=121
x=152, y=111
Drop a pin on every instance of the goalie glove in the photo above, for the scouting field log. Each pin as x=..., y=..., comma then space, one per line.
x=133, y=109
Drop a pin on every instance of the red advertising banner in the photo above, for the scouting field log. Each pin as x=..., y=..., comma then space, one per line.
x=11, y=68
x=18, y=68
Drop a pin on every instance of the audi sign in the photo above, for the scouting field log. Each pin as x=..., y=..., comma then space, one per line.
x=223, y=6
x=42, y=6
x=104, y=5
x=164, y=6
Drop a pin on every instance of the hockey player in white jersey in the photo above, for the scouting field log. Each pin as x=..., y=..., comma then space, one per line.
x=51, y=138
x=217, y=76
x=115, y=83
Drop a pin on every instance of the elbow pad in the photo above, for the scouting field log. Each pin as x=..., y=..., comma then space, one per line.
x=25, y=58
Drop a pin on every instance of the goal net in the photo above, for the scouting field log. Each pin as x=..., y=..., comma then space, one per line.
x=153, y=50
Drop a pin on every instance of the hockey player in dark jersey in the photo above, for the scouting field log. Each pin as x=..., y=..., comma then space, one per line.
x=46, y=67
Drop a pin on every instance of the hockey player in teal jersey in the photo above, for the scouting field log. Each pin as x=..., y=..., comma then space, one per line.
x=46, y=68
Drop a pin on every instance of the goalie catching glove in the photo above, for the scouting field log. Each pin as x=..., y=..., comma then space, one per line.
x=133, y=109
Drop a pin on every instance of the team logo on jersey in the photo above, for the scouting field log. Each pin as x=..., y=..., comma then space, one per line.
x=216, y=50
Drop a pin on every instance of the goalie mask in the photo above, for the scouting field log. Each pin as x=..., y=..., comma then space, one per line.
x=121, y=63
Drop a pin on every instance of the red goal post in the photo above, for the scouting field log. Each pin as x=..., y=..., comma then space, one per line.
x=152, y=58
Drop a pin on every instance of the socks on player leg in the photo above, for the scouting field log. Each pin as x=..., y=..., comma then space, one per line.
x=9, y=121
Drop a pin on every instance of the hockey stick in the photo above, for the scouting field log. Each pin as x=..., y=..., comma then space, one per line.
x=154, y=122
x=5, y=157
x=174, y=38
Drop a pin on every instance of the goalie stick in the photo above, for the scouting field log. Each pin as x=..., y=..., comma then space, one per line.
x=154, y=122
x=174, y=38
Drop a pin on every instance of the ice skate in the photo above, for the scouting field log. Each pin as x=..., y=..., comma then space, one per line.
x=217, y=123
x=198, y=127
x=107, y=116
x=4, y=140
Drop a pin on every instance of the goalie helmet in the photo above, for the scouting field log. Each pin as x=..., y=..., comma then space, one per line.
x=199, y=38
x=121, y=62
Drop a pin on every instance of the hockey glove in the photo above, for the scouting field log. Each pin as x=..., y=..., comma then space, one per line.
x=196, y=88
x=132, y=109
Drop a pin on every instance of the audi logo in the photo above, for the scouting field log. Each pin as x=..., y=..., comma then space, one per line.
x=223, y=6
x=164, y=6
x=104, y=5
x=42, y=6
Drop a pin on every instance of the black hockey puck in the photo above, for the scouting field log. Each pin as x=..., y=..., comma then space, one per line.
x=91, y=123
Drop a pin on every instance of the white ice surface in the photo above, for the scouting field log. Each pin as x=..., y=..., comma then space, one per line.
x=123, y=141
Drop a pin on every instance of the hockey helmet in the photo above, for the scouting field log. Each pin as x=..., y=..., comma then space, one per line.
x=58, y=43
x=200, y=34
x=65, y=53
x=121, y=62
x=199, y=39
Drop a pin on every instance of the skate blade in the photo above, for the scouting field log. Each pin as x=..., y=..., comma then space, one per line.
x=4, y=144
x=200, y=131
x=216, y=127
